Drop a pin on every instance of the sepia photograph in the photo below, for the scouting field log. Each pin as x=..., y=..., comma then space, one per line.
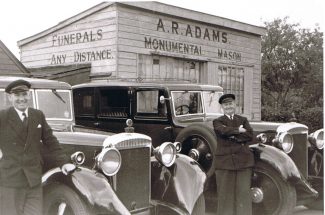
x=161, y=107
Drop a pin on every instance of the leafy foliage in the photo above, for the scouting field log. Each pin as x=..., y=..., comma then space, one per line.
x=292, y=74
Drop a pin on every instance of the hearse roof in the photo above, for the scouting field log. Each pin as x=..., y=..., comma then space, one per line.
x=169, y=86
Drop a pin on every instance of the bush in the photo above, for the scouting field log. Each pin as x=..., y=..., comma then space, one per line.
x=311, y=117
x=269, y=114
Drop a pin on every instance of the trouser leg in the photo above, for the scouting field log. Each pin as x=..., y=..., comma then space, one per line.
x=21, y=201
x=33, y=201
x=243, y=194
x=225, y=192
x=11, y=201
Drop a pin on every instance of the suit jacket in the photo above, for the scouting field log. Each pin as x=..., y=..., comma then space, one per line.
x=21, y=164
x=232, y=151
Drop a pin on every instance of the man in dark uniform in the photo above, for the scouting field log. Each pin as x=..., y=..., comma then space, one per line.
x=23, y=133
x=234, y=160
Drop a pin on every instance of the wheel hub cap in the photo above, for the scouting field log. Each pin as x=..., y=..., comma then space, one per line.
x=257, y=194
x=195, y=154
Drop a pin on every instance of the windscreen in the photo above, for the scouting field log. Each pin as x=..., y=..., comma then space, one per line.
x=55, y=104
x=187, y=102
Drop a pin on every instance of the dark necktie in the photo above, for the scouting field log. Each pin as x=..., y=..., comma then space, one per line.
x=25, y=121
x=25, y=125
x=231, y=117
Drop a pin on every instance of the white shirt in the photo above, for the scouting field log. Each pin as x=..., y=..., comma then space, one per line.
x=20, y=113
x=230, y=116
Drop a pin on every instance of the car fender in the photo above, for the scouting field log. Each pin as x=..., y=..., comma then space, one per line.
x=92, y=186
x=278, y=159
x=285, y=166
x=180, y=185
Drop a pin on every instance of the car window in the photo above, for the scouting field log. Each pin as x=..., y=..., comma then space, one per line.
x=83, y=100
x=113, y=103
x=56, y=104
x=148, y=103
x=211, y=102
x=186, y=102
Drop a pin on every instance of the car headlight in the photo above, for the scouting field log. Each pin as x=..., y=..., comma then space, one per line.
x=285, y=142
x=166, y=153
x=317, y=138
x=262, y=138
x=109, y=161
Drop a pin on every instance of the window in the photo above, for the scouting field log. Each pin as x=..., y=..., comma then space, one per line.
x=165, y=68
x=55, y=104
x=148, y=103
x=113, y=103
x=211, y=102
x=185, y=102
x=84, y=102
x=232, y=81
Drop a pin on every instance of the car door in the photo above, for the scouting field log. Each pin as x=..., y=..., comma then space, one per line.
x=85, y=106
x=150, y=115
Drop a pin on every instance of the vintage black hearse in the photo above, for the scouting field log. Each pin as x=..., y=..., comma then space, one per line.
x=117, y=173
x=289, y=167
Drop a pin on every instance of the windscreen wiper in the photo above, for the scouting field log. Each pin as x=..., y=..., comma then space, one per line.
x=58, y=95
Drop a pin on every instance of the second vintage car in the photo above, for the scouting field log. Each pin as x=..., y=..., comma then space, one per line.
x=289, y=160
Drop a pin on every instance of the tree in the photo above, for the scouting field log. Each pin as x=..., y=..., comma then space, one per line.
x=292, y=73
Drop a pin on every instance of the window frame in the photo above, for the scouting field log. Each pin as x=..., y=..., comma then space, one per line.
x=93, y=102
x=114, y=114
x=139, y=115
x=228, y=77
x=188, y=114
x=37, y=102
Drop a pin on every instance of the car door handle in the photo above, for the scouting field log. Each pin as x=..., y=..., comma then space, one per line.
x=96, y=123
x=168, y=128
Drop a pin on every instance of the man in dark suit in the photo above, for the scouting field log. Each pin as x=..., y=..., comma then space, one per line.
x=24, y=132
x=234, y=160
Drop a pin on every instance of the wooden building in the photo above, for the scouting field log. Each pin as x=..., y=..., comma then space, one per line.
x=151, y=41
x=9, y=64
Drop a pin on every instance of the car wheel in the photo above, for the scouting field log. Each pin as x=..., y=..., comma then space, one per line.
x=199, y=142
x=271, y=195
x=60, y=199
x=199, y=207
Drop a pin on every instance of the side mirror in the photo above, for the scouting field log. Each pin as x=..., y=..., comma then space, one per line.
x=162, y=99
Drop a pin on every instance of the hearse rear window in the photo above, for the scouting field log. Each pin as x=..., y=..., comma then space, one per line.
x=113, y=103
x=84, y=102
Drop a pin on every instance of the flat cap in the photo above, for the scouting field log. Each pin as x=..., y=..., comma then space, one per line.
x=226, y=98
x=19, y=85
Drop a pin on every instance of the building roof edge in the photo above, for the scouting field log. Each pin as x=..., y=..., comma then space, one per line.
x=156, y=7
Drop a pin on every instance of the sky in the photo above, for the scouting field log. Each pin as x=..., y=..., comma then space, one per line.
x=20, y=19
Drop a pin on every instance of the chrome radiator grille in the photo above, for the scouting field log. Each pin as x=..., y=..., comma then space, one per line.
x=133, y=143
x=299, y=153
x=133, y=179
